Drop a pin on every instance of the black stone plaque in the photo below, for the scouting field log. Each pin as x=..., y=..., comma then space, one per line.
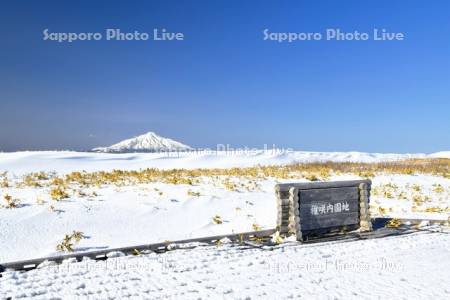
x=327, y=208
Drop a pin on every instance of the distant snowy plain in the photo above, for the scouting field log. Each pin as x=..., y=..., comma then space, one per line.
x=68, y=161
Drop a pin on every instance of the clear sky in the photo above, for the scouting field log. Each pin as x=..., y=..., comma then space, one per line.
x=224, y=83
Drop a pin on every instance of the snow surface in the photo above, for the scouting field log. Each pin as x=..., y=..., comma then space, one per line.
x=407, y=267
x=148, y=142
x=145, y=213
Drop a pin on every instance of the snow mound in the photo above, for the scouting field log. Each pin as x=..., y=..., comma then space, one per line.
x=441, y=154
x=148, y=142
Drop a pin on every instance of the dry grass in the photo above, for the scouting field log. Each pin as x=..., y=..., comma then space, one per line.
x=437, y=188
x=233, y=179
x=217, y=220
x=58, y=193
x=310, y=171
x=69, y=241
x=193, y=194
x=394, y=223
x=10, y=202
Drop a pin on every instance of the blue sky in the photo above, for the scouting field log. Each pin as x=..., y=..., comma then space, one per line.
x=223, y=83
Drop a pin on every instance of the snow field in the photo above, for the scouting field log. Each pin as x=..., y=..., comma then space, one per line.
x=409, y=267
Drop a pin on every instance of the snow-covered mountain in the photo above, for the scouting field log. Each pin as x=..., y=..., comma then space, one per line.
x=148, y=142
